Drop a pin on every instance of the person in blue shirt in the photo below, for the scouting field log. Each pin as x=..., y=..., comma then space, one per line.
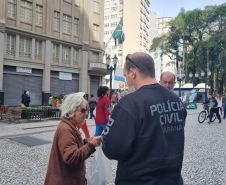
x=214, y=108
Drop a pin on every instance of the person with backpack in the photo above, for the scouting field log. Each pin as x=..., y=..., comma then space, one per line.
x=92, y=106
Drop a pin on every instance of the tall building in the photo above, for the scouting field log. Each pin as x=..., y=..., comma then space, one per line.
x=153, y=33
x=135, y=14
x=164, y=28
x=50, y=46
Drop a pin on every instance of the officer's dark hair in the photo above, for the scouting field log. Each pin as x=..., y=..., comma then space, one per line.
x=144, y=63
x=91, y=95
x=102, y=91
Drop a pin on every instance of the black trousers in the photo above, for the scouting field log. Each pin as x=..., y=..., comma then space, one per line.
x=216, y=111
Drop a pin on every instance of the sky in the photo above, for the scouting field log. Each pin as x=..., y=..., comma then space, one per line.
x=171, y=8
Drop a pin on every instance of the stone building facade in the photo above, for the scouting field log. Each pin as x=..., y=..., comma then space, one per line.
x=50, y=46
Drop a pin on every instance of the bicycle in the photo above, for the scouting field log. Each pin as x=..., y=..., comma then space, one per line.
x=204, y=115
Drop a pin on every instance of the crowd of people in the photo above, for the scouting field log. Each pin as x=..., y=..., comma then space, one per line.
x=144, y=132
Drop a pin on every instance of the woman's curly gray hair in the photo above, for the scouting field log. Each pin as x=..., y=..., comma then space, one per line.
x=71, y=103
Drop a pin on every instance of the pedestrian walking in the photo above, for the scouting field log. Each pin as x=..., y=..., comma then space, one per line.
x=22, y=99
x=69, y=151
x=26, y=99
x=224, y=105
x=51, y=101
x=145, y=132
x=84, y=125
x=61, y=97
x=92, y=106
x=55, y=100
x=102, y=113
x=219, y=100
x=214, y=108
x=114, y=98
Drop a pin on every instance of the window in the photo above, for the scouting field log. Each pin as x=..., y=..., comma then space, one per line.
x=106, y=25
x=76, y=23
x=114, y=16
x=25, y=47
x=68, y=0
x=56, y=22
x=12, y=8
x=95, y=32
x=113, y=55
x=106, y=3
x=77, y=2
x=66, y=23
x=112, y=31
x=106, y=17
x=120, y=63
x=114, y=1
x=38, y=49
x=55, y=53
x=10, y=45
x=120, y=54
x=114, y=24
x=75, y=57
x=95, y=57
x=120, y=15
x=26, y=11
x=96, y=6
x=112, y=47
x=106, y=10
x=106, y=32
x=66, y=55
x=39, y=15
x=120, y=8
x=114, y=8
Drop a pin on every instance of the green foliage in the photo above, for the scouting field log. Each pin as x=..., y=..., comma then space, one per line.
x=203, y=33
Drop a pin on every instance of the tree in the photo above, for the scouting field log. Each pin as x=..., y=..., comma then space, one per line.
x=204, y=32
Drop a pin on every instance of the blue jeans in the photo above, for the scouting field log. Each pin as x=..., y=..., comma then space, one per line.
x=99, y=129
x=224, y=108
x=91, y=113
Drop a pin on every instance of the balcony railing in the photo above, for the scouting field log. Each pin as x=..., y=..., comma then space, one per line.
x=25, y=55
x=66, y=61
x=10, y=52
x=38, y=56
x=75, y=62
x=55, y=59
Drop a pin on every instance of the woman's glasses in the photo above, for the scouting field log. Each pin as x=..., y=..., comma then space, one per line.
x=83, y=111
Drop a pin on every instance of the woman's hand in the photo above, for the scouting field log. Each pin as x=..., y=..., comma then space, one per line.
x=95, y=141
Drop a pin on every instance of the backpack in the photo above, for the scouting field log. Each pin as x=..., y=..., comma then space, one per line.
x=92, y=104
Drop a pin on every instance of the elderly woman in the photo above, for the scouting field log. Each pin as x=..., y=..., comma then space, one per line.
x=69, y=150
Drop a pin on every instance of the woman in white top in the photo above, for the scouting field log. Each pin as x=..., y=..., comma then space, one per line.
x=219, y=99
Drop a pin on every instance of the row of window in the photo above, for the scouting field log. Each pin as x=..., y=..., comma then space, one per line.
x=112, y=2
x=25, y=50
x=112, y=24
x=113, y=9
x=67, y=22
x=26, y=14
x=145, y=7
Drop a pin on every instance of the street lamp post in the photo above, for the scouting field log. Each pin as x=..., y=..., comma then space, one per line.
x=193, y=80
x=205, y=79
x=111, y=69
x=180, y=79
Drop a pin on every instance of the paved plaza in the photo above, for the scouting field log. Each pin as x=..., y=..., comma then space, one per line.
x=204, y=158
